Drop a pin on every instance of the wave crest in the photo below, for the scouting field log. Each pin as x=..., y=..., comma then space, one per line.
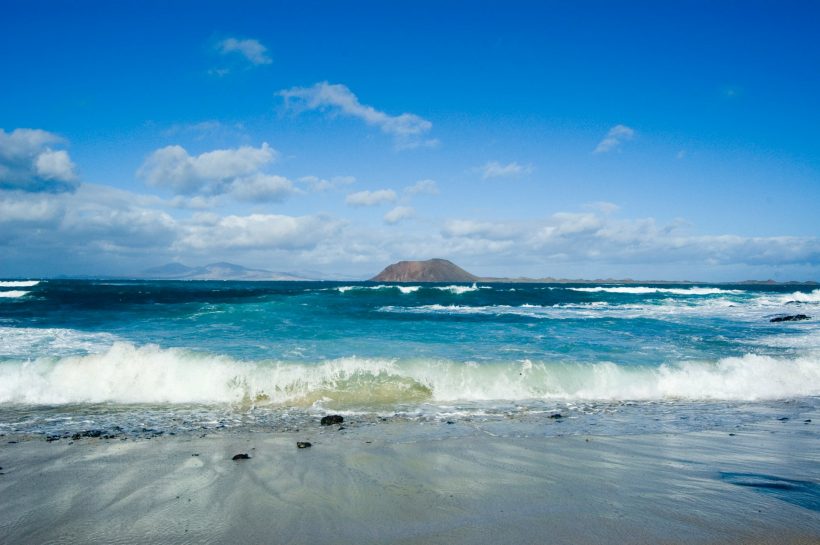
x=640, y=290
x=18, y=283
x=128, y=374
x=13, y=294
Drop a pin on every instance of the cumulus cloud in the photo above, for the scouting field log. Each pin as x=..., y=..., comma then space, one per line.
x=465, y=228
x=399, y=213
x=261, y=188
x=407, y=129
x=29, y=162
x=599, y=237
x=315, y=184
x=252, y=50
x=255, y=232
x=235, y=172
x=614, y=138
x=99, y=229
x=422, y=187
x=494, y=169
x=371, y=198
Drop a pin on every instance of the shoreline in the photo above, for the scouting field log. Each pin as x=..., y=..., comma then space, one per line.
x=391, y=483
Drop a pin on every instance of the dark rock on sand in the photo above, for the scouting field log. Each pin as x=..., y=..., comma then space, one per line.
x=331, y=419
x=556, y=415
x=87, y=433
x=242, y=456
x=792, y=318
x=303, y=444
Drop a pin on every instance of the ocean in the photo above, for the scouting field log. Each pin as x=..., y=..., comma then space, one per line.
x=145, y=358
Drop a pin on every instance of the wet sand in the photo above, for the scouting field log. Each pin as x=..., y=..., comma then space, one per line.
x=391, y=484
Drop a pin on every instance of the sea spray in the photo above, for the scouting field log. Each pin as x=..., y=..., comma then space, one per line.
x=126, y=373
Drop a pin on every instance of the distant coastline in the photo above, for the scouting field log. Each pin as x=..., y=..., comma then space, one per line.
x=442, y=270
x=429, y=271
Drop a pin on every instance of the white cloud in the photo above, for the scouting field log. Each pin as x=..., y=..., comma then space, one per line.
x=614, y=138
x=398, y=214
x=256, y=232
x=494, y=169
x=461, y=228
x=235, y=172
x=54, y=165
x=422, y=187
x=99, y=229
x=407, y=129
x=320, y=185
x=371, y=198
x=29, y=163
x=261, y=188
x=252, y=50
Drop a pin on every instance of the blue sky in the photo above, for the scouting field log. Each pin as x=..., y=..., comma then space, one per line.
x=576, y=139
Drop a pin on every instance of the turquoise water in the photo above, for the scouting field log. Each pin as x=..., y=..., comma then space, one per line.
x=275, y=349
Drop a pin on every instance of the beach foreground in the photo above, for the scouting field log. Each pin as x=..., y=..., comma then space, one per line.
x=410, y=483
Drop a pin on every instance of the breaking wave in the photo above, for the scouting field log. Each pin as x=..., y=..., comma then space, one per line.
x=458, y=290
x=13, y=294
x=403, y=289
x=640, y=290
x=128, y=374
x=18, y=283
x=801, y=297
x=455, y=288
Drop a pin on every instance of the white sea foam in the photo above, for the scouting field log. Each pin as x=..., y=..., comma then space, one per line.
x=129, y=374
x=402, y=289
x=458, y=290
x=18, y=283
x=408, y=289
x=25, y=342
x=801, y=297
x=671, y=310
x=13, y=294
x=639, y=290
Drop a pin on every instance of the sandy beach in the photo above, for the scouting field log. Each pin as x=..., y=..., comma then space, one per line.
x=409, y=483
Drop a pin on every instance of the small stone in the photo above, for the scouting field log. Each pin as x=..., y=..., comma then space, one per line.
x=450, y=422
x=195, y=454
x=556, y=415
x=241, y=457
x=783, y=418
x=731, y=435
x=331, y=419
x=807, y=421
x=303, y=444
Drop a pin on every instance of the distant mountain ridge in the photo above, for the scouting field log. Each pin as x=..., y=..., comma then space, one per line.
x=214, y=271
